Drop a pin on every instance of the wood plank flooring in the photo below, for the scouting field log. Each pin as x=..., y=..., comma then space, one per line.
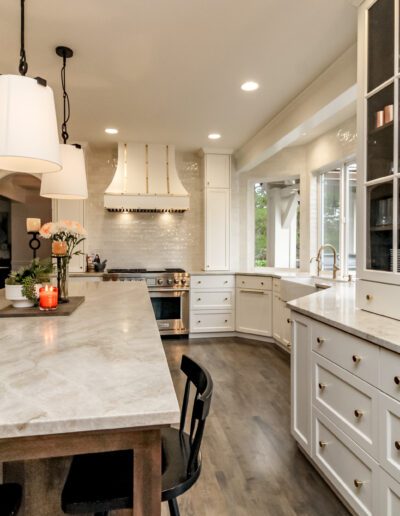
x=251, y=464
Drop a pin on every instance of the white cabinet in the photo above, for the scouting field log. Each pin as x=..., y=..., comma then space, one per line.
x=217, y=230
x=72, y=210
x=254, y=305
x=217, y=168
x=212, y=303
x=389, y=495
x=281, y=322
x=217, y=202
x=301, y=381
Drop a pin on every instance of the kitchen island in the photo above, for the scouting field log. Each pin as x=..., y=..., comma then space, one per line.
x=97, y=380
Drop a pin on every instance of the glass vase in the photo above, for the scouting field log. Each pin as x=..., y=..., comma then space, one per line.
x=63, y=278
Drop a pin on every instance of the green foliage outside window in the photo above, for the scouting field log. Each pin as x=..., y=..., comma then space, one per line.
x=261, y=214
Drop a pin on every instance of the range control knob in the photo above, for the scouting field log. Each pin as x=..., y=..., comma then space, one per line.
x=169, y=281
x=160, y=281
x=176, y=281
x=183, y=281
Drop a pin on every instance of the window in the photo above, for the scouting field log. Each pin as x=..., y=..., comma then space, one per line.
x=337, y=216
x=260, y=223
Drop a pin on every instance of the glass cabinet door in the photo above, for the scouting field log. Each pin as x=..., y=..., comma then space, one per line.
x=380, y=226
x=380, y=134
x=380, y=43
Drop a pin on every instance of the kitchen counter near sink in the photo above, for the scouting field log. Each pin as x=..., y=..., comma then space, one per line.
x=336, y=307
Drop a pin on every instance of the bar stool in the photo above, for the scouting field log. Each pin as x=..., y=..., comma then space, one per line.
x=101, y=482
x=10, y=499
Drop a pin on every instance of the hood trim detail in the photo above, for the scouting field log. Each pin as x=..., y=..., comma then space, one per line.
x=146, y=180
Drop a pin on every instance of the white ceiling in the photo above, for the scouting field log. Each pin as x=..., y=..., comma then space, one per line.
x=170, y=70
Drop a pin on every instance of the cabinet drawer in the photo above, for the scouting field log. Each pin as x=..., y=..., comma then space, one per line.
x=389, y=448
x=200, y=299
x=256, y=282
x=349, y=402
x=276, y=285
x=389, y=495
x=356, y=355
x=389, y=373
x=211, y=322
x=213, y=281
x=352, y=471
x=378, y=298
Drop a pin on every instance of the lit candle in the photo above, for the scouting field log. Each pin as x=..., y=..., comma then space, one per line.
x=33, y=225
x=48, y=297
x=59, y=248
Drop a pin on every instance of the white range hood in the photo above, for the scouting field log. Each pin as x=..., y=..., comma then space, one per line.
x=146, y=179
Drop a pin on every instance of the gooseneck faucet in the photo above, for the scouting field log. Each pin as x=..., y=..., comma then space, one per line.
x=318, y=259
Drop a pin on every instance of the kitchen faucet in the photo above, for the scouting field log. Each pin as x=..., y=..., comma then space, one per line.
x=318, y=259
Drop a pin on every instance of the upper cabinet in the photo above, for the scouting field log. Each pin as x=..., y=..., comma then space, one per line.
x=217, y=168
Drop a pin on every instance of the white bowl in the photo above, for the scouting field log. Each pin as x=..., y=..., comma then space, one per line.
x=14, y=294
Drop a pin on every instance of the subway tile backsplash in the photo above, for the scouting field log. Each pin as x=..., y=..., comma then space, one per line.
x=144, y=239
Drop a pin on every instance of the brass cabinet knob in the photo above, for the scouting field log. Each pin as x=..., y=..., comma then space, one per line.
x=397, y=445
x=358, y=413
x=226, y=299
x=322, y=444
x=288, y=320
x=226, y=320
x=199, y=299
x=320, y=340
x=262, y=283
x=396, y=380
x=358, y=483
x=226, y=281
x=199, y=282
x=198, y=322
x=356, y=359
x=368, y=297
x=321, y=386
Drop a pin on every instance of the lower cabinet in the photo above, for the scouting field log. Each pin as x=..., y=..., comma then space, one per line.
x=281, y=323
x=253, y=312
x=349, y=427
x=211, y=322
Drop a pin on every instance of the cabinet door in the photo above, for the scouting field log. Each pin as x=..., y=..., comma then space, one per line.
x=286, y=325
x=72, y=210
x=217, y=170
x=254, y=311
x=301, y=387
x=277, y=317
x=217, y=229
x=389, y=498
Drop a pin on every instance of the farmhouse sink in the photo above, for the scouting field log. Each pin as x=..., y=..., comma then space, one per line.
x=293, y=288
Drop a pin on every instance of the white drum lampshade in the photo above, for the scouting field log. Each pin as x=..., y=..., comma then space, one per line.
x=28, y=126
x=71, y=182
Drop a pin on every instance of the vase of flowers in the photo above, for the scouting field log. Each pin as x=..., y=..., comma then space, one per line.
x=22, y=286
x=66, y=235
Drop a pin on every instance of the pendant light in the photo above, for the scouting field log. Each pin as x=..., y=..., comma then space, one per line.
x=71, y=182
x=28, y=123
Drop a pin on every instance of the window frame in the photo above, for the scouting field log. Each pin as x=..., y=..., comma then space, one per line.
x=344, y=201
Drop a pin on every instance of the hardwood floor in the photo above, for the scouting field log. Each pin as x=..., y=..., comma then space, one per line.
x=251, y=464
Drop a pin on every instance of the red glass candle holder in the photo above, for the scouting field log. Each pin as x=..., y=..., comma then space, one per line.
x=59, y=248
x=48, y=297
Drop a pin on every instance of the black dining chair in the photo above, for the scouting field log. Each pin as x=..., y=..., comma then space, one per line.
x=101, y=482
x=10, y=499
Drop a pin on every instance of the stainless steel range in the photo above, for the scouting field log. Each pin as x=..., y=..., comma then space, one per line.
x=169, y=293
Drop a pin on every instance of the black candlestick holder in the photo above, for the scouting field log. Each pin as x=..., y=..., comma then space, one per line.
x=34, y=242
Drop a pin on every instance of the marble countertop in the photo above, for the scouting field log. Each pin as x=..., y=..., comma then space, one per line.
x=103, y=367
x=336, y=306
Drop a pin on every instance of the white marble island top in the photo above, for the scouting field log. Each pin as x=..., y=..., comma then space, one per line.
x=336, y=306
x=101, y=368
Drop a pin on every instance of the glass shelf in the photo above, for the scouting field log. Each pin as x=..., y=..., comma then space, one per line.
x=380, y=226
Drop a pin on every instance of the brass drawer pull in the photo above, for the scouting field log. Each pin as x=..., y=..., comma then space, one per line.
x=199, y=299
x=397, y=445
x=358, y=483
x=397, y=380
x=226, y=299
x=226, y=320
x=356, y=359
x=322, y=444
x=321, y=386
x=288, y=320
x=368, y=297
x=320, y=340
x=358, y=413
x=199, y=282
x=198, y=322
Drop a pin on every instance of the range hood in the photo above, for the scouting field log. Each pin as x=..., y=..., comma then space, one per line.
x=146, y=180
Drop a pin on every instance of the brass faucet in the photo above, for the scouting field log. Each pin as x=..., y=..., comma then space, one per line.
x=318, y=259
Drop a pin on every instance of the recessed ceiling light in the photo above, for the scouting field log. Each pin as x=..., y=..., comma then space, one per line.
x=303, y=134
x=250, y=86
x=111, y=130
x=214, y=136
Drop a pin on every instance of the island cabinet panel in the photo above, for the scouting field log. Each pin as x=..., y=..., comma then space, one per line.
x=351, y=471
x=301, y=381
x=72, y=210
x=389, y=421
x=389, y=373
x=389, y=495
x=281, y=322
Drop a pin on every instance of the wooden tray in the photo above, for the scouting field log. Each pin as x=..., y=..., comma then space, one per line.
x=62, y=309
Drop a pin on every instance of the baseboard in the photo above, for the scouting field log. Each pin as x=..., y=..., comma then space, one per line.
x=207, y=335
x=249, y=336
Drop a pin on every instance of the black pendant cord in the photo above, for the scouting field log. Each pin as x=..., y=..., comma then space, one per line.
x=23, y=65
x=67, y=106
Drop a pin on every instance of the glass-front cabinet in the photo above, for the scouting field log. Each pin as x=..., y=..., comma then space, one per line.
x=378, y=153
